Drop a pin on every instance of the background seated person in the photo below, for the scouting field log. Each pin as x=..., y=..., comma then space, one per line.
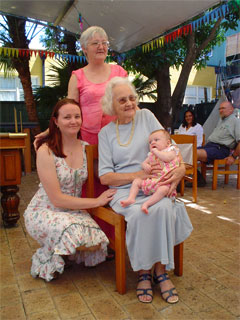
x=191, y=127
x=224, y=138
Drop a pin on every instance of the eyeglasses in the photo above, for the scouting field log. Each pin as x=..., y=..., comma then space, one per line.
x=98, y=43
x=123, y=100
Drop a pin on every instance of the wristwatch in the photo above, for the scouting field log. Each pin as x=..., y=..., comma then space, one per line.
x=234, y=157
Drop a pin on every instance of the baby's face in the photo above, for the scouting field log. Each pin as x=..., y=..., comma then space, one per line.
x=158, y=140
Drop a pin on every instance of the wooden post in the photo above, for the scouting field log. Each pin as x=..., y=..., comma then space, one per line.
x=27, y=152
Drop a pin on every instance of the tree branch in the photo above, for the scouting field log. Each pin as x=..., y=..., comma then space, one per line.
x=211, y=36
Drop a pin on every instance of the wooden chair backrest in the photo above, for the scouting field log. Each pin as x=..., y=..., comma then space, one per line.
x=187, y=139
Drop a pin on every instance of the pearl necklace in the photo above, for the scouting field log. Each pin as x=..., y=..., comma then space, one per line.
x=131, y=134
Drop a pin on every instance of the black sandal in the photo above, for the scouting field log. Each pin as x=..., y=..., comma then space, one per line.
x=161, y=278
x=144, y=292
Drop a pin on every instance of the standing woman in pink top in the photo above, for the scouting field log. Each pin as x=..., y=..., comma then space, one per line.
x=87, y=85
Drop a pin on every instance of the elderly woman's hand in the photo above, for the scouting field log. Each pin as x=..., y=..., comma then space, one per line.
x=40, y=136
x=173, y=177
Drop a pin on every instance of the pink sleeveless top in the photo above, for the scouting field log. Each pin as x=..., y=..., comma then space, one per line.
x=90, y=95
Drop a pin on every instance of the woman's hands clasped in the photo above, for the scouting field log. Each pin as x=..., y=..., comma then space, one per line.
x=105, y=197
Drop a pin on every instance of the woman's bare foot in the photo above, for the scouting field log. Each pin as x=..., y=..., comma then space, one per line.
x=144, y=288
x=168, y=291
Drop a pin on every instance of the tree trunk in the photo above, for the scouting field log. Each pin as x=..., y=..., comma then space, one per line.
x=21, y=64
x=163, y=103
x=179, y=91
x=192, y=53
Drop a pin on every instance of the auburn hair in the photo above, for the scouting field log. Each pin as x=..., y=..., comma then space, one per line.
x=54, y=137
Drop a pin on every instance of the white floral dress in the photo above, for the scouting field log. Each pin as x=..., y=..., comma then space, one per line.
x=61, y=231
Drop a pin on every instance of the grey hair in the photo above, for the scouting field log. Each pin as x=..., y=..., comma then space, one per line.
x=89, y=33
x=107, y=99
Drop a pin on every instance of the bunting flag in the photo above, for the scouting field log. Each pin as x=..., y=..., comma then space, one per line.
x=15, y=53
x=219, y=12
x=80, y=20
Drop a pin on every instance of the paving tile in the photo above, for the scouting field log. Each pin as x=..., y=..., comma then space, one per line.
x=36, y=301
x=21, y=254
x=228, y=299
x=217, y=313
x=179, y=311
x=195, y=300
x=26, y=282
x=7, y=276
x=84, y=317
x=60, y=286
x=231, y=282
x=71, y=305
x=9, y=295
x=22, y=266
x=138, y=311
x=13, y=312
x=106, y=308
x=46, y=315
x=4, y=249
x=90, y=288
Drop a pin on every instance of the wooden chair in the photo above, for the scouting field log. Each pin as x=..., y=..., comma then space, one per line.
x=220, y=167
x=191, y=168
x=117, y=221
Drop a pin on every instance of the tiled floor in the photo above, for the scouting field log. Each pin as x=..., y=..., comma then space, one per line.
x=208, y=289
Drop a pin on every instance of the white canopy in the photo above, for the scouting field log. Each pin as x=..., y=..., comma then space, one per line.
x=128, y=23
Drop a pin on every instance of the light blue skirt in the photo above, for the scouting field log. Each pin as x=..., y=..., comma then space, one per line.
x=151, y=237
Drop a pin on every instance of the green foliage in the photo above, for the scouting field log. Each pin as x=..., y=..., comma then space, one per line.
x=56, y=39
x=46, y=97
x=145, y=87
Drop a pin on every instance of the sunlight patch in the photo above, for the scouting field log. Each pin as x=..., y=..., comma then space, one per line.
x=198, y=207
x=228, y=219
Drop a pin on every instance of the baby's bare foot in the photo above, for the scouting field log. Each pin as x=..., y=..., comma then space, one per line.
x=125, y=203
x=144, y=209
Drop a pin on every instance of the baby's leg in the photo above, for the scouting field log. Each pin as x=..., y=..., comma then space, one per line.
x=160, y=193
x=136, y=185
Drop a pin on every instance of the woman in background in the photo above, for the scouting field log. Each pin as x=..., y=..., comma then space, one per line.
x=191, y=127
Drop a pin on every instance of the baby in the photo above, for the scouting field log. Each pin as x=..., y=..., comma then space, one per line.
x=164, y=153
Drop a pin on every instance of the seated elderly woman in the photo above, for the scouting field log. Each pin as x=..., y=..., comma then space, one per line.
x=123, y=146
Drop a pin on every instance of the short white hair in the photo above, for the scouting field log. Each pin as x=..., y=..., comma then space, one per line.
x=89, y=33
x=107, y=99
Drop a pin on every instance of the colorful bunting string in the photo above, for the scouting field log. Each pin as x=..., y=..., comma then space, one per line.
x=146, y=47
x=187, y=29
x=13, y=52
